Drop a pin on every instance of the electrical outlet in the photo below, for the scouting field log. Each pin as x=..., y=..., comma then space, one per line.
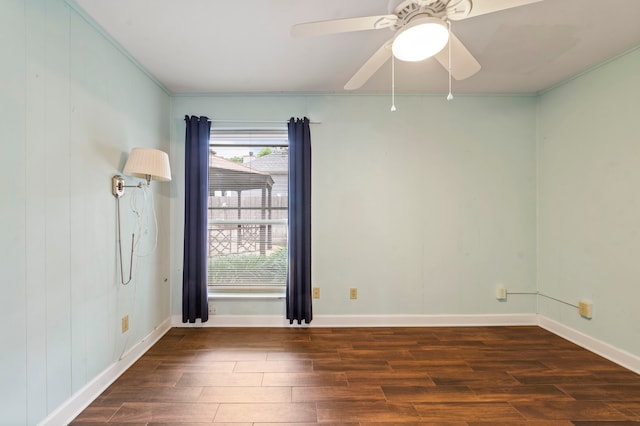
x=353, y=293
x=585, y=309
x=501, y=292
x=125, y=323
x=212, y=309
x=316, y=292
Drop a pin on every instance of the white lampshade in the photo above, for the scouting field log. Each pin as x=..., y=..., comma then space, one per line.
x=148, y=164
x=420, y=39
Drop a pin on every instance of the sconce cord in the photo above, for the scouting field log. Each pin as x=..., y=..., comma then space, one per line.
x=143, y=216
x=120, y=248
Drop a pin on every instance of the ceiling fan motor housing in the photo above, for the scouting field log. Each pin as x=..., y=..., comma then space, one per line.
x=408, y=10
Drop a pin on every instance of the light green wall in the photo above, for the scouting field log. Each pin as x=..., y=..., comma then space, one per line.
x=424, y=210
x=72, y=106
x=589, y=201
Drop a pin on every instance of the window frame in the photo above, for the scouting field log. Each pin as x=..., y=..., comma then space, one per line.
x=220, y=140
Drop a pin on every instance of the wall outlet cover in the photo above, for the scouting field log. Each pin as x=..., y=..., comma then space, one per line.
x=125, y=323
x=353, y=293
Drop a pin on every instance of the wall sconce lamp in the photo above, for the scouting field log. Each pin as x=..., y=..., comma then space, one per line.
x=144, y=163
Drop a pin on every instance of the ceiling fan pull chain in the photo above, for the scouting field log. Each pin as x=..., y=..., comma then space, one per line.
x=393, y=83
x=449, y=96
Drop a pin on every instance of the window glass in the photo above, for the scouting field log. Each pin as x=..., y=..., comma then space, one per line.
x=248, y=198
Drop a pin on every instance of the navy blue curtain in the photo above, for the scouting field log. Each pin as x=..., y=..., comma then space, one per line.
x=299, y=266
x=194, y=275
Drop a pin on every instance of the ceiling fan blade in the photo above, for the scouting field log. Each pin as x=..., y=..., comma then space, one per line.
x=463, y=64
x=343, y=25
x=481, y=7
x=369, y=68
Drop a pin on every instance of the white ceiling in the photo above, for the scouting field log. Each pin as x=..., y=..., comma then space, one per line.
x=203, y=46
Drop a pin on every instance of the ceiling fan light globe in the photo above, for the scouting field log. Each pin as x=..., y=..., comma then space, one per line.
x=420, y=39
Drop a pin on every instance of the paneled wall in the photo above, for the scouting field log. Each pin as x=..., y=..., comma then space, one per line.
x=589, y=201
x=71, y=107
x=425, y=210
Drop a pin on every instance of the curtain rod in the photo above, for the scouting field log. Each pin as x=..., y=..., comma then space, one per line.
x=259, y=121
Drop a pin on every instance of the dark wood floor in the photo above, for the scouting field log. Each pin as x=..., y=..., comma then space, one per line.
x=369, y=376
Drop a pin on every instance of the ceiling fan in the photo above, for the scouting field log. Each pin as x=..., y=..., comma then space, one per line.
x=422, y=24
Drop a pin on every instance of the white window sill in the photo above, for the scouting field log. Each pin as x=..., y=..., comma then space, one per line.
x=246, y=293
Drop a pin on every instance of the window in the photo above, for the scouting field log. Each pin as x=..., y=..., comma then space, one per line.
x=248, y=199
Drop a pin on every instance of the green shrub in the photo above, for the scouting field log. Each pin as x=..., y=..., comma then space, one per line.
x=249, y=268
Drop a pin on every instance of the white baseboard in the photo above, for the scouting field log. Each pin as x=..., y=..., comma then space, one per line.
x=617, y=355
x=422, y=320
x=362, y=321
x=66, y=412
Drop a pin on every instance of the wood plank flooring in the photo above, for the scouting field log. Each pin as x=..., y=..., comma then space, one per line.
x=368, y=376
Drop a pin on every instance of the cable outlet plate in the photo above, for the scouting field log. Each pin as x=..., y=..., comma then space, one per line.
x=585, y=309
x=501, y=292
